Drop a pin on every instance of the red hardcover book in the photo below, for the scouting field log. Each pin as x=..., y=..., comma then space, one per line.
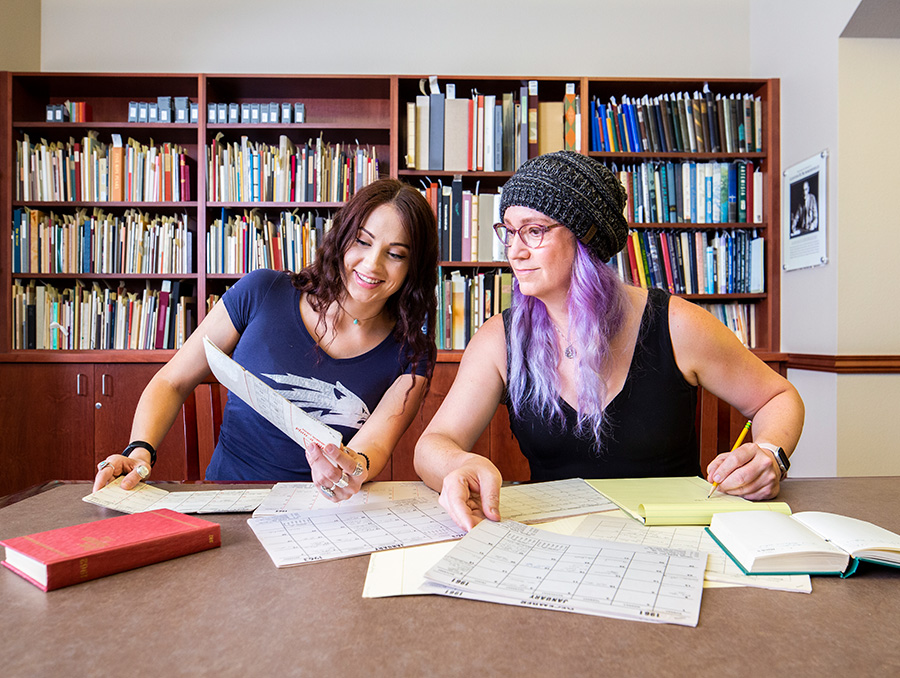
x=71, y=555
x=160, y=334
x=170, y=169
x=664, y=254
x=472, y=155
x=632, y=262
x=182, y=177
x=78, y=196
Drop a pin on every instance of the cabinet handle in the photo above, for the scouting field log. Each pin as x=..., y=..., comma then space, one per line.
x=78, y=390
x=103, y=390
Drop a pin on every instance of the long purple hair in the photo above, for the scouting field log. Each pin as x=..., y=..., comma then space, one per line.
x=596, y=309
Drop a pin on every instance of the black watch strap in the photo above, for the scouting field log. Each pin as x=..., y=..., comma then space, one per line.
x=135, y=444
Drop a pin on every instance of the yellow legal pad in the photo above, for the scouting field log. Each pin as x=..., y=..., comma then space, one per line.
x=676, y=501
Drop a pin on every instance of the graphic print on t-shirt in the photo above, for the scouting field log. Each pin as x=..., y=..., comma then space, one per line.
x=332, y=404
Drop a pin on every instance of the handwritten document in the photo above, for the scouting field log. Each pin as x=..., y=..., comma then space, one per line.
x=516, y=564
x=311, y=536
x=274, y=407
x=719, y=567
x=148, y=498
x=675, y=501
x=294, y=497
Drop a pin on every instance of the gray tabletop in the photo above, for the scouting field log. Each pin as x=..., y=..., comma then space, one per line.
x=230, y=612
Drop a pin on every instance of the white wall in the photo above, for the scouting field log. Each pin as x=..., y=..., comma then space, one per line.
x=869, y=241
x=797, y=42
x=498, y=37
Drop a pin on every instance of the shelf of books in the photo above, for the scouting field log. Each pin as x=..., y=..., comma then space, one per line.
x=135, y=200
x=699, y=159
x=463, y=137
x=102, y=210
x=282, y=153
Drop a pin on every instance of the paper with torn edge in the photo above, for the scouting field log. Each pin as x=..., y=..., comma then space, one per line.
x=304, y=496
x=516, y=564
x=401, y=572
x=719, y=567
x=676, y=501
x=148, y=498
x=344, y=531
x=274, y=407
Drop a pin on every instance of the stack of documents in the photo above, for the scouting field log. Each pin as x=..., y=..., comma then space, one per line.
x=149, y=498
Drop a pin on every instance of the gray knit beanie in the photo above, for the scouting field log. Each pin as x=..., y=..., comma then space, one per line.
x=577, y=191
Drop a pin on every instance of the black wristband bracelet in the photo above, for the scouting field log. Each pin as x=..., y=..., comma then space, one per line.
x=135, y=444
x=364, y=457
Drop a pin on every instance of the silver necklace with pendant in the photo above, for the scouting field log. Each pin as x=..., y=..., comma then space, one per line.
x=568, y=351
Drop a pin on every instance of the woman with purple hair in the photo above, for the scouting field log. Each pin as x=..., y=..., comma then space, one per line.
x=600, y=378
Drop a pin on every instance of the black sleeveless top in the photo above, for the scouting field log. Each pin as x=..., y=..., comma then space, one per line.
x=650, y=425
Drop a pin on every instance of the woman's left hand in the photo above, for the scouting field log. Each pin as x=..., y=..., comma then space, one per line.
x=749, y=472
x=337, y=472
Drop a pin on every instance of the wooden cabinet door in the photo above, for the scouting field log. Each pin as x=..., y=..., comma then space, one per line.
x=46, y=424
x=117, y=389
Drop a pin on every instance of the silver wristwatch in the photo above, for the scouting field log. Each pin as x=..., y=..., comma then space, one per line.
x=784, y=463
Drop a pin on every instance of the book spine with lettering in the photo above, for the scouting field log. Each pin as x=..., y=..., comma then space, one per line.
x=72, y=555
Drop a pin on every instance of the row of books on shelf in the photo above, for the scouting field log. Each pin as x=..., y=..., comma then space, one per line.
x=694, y=262
x=239, y=243
x=488, y=132
x=93, y=171
x=314, y=171
x=274, y=112
x=466, y=299
x=96, y=317
x=739, y=318
x=465, y=221
x=694, y=192
x=678, y=123
x=134, y=242
x=70, y=111
x=164, y=109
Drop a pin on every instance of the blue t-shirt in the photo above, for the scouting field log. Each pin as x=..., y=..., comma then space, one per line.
x=276, y=347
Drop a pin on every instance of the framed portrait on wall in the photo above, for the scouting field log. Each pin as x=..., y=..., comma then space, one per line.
x=804, y=214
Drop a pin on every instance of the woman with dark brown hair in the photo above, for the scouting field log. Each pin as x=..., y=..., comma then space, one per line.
x=349, y=339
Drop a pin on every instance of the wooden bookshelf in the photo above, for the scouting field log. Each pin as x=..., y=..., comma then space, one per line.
x=365, y=110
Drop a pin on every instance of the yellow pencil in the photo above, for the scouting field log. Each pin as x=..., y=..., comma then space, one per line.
x=737, y=444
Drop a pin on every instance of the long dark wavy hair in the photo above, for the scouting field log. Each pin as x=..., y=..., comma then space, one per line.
x=414, y=305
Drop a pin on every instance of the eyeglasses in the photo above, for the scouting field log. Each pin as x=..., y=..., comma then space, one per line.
x=530, y=234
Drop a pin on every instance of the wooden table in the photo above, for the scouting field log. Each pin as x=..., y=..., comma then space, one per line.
x=230, y=612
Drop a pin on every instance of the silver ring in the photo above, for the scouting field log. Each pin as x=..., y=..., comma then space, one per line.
x=327, y=491
x=358, y=470
x=142, y=471
x=343, y=482
x=103, y=464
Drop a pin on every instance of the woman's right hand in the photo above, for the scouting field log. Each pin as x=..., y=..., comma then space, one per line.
x=471, y=492
x=116, y=465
